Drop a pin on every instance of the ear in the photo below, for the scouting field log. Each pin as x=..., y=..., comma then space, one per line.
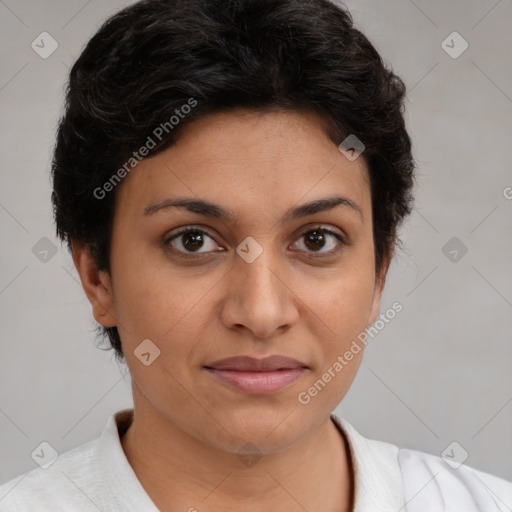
x=96, y=284
x=380, y=280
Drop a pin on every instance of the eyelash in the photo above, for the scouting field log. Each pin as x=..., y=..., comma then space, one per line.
x=203, y=231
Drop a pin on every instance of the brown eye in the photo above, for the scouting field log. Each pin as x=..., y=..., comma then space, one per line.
x=315, y=240
x=190, y=241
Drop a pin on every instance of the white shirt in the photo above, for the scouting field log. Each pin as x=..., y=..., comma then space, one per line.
x=97, y=476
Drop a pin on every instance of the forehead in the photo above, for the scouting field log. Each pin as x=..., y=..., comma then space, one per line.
x=250, y=162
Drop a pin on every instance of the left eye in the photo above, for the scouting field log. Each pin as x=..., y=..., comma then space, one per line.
x=318, y=236
x=193, y=239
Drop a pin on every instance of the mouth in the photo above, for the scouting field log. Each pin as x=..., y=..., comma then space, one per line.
x=257, y=376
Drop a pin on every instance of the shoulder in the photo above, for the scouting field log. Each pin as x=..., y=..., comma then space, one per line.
x=55, y=487
x=432, y=483
x=391, y=478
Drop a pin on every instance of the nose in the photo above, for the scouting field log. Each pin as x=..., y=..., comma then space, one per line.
x=258, y=298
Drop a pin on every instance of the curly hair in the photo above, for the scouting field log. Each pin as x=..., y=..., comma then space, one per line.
x=149, y=59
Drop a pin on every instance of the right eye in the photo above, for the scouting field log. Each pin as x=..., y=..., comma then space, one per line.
x=189, y=239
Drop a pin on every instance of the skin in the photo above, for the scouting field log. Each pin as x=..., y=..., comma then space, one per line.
x=188, y=426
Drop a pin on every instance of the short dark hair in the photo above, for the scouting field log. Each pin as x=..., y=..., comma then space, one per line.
x=150, y=59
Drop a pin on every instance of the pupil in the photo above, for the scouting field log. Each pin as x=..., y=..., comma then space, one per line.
x=317, y=238
x=196, y=238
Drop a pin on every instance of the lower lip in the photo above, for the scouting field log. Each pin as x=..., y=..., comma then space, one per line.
x=258, y=383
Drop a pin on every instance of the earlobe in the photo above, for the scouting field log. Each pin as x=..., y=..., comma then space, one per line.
x=96, y=284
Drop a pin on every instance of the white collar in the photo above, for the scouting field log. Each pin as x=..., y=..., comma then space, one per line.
x=378, y=480
x=377, y=475
x=119, y=474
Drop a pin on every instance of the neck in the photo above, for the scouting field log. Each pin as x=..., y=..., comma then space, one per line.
x=181, y=472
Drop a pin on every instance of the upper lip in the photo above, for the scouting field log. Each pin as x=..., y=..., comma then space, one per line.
x=246, y=363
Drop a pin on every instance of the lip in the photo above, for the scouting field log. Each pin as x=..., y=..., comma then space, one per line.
x=251, y=364
x=257, y=376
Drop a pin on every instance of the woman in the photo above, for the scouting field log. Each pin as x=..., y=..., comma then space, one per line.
x=230, y=177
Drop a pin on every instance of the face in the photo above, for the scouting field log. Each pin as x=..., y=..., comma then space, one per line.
x=260, y=283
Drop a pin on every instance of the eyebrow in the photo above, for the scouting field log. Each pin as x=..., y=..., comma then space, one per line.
x=208, y=209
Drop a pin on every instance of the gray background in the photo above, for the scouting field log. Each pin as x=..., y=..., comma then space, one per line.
x=439, y=372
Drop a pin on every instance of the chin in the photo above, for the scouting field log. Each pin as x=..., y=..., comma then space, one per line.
x=269, y=430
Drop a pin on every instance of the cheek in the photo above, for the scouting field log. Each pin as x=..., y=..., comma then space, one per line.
x=155, y=300
x=345, y=311
x=343, y=301
x=150, y=304
x=340, y=315
x=344, y=306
